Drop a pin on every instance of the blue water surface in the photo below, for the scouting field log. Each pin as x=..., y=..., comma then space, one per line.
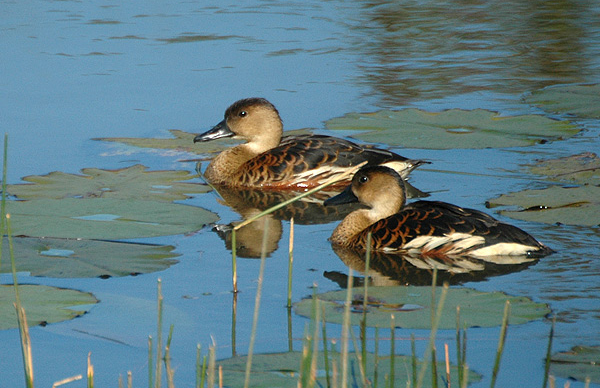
x=73, y=71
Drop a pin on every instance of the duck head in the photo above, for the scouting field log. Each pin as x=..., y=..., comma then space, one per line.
x=378, y=187
x=254, y=120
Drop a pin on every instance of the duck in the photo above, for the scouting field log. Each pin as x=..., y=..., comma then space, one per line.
x=268, y=160
x=423, y=228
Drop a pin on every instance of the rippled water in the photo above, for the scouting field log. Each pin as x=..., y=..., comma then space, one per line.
x=74, y=71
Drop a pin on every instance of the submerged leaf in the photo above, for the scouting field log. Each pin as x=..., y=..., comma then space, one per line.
x=411, y=305
x=43, y=304
x=455, y=128
x=565, y=205
x=128, y=183
x=73, y=258
x=283, y=369
x=581, y=168
x=579, y=363
x=104, y=218
x=577, y=100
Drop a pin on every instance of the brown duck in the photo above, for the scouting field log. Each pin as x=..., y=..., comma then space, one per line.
x=268, y=161
x=422, y=227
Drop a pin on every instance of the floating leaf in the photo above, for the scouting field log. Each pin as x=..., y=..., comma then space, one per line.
x=565, y=205
x=72, y=258
x=411, y=306
x=184, y=142
x=43, y=304
x=283, y=370
x=104, y=218
x=577, y=100
x=579, y=363
x=580, y=168
x=131, y=182
x=455, y=128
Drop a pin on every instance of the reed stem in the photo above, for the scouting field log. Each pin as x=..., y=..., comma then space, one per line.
x=290, y=263
x=159, y=298
x=346, y=329
x=433, y=333
x=363, y=321
x=167, y=359
x=261, y=272
x=392, y=350
x=548, y=354
x=501, y=342
x=234, y=260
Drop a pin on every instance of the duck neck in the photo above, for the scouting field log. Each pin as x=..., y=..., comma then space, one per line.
x=354, y=223
x=225, y=165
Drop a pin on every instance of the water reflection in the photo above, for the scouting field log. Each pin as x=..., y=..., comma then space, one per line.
x=396, y=269
x=307, y=211
x=429, y=49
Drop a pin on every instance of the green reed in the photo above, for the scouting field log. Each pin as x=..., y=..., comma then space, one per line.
x=261, y=272
x=501, y=342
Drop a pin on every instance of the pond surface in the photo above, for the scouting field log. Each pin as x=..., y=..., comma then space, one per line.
x=74, y=71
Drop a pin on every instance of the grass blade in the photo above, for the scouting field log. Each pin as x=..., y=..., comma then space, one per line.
x=548, y=354
x=290, y=263
x=167, y=359
x=234, y=260
x=346, y=329
x=433, y=333
x=261, y=272
x=501, y=341
x=159, y=300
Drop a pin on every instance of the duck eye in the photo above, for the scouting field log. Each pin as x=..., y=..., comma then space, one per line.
x=243, y=113
x=363, y=179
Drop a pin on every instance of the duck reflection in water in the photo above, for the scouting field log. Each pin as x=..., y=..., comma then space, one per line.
x=250, y=202
x=422, y=235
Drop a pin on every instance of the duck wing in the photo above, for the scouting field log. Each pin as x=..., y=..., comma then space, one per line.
x=423, y=222
x=308, y=160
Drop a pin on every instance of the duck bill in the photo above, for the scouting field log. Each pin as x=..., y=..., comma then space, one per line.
x=218, y=131
x=346, y=196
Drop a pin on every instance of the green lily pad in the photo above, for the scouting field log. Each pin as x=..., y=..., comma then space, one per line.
x=283, y=370
x=581, y=168
x=104, y=218
x=565, y=205
x=411, y=307
x=577, y=100
x=131, y=182
x=184, y=142
x=43, y=304
x=72, y=258
x=579, y=363
x=450, y=129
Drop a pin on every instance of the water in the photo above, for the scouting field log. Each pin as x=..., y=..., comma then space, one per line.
x=74, y=71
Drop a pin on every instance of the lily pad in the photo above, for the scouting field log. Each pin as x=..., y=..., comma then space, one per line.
x=566, y=205
x=104, y=218
x=411, y=307
x=450, y=129
x=579, y=363
x=131, y=182
x=72, y=258
x=282, y=370
x=43, y=304
x=580, y=168
x=184, y=142
x=576, y=100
